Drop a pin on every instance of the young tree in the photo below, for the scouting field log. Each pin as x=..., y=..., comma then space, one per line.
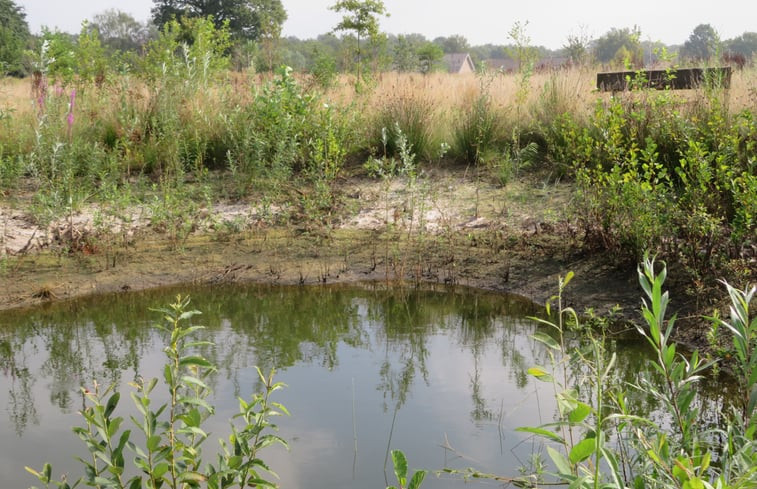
x=429, y=56
x=268, y=18
x=521, y=50
x=577, y=47
x=361, y=17
x=14, y=36
x=702, y=44
x=608, y=46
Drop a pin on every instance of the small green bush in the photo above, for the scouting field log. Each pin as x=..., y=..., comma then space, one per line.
x=169, y=450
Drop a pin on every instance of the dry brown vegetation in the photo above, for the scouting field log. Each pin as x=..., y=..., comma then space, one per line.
x=575, y=86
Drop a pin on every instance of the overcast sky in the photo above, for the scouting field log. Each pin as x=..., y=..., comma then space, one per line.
x=480, y=21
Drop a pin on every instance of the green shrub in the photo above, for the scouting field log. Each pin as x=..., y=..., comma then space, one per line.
x=600, y=441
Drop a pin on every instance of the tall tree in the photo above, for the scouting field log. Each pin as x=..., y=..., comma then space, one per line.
x=245, y=17
x=361, y=17
x=14, y=37
x=702, y=44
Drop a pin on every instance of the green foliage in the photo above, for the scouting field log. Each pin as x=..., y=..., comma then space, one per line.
x=361, y=17
x=169, y=450
x=120, y=31
x=649, y=174
x=14, y=37
x=743, y=328
x=268, y=17
x=522, y=51
x=429, y=57
x=387, y=167
x=171, y=56
x=11, y=170
x=702, y=45
x=745, y=44
x=92, y=63
x=268, y=139
x=599, y=441
x=400, y=471
x=452, y=44
x=324, y=71
x=625, y=41
x=287, y=131
x=57, y=57
x=577, y=48
x=245, y=19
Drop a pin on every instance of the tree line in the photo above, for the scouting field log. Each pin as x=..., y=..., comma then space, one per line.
x=354, y=44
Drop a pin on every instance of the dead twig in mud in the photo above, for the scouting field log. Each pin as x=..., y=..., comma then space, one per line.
x=28, y=246
x=229, y=274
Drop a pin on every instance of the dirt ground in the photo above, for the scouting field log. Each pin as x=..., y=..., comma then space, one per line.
x=444, y=227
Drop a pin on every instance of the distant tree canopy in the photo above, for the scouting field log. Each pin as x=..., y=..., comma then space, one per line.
x=620, y=46
x=453, y=44
x=702, y=45
x=414, y=53
x=14, y=37
x=247, y=19
x=745, y=45
x=119, y=31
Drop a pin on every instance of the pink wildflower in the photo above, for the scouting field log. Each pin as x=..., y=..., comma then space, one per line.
x=70, y=117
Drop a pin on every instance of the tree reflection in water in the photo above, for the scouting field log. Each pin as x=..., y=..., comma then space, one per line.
x=52, y=351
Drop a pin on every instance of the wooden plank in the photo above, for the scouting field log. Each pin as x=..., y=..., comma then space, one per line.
x=681, y=79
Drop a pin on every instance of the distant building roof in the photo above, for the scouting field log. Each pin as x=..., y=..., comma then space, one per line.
x=459, y=63
x=509, y=65
x=501, y=64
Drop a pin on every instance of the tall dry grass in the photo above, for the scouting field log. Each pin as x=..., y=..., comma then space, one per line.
x=575, y=87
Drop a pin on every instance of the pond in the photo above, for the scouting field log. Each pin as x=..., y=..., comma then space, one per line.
x=440, y=375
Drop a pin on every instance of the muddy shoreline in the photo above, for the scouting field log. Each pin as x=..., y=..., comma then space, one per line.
x=456, y=232
x=531, y=271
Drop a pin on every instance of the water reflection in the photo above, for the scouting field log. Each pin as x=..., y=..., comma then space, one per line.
x=419, y=370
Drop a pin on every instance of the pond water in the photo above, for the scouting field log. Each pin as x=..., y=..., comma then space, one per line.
x=440, y=375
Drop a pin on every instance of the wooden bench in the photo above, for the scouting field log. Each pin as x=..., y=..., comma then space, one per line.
x=680, y=79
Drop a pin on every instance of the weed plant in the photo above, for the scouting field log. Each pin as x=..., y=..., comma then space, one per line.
x=168, y=443
x=600, y=440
